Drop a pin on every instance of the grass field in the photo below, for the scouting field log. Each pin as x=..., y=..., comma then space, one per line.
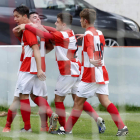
x=84, y=129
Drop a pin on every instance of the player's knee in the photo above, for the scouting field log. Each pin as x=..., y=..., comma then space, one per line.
x=32, y=97
x=46, y=98
x=16, y=99
x=105, y=103
x=24, y=96
x=59, y=98
x=78, y=106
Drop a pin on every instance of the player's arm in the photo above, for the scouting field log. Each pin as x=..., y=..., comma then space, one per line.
x=37, y=56
x=43, y=28
x=40, y=27
x=50, y=29
x=35, y=31
x=79, y=36
x=33, y=43
x=17, y=34
x=89, y=44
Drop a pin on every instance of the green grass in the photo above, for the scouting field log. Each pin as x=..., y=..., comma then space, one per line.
x=125, y=107
x=121, y=108
x=3, y=108
x=84, y=129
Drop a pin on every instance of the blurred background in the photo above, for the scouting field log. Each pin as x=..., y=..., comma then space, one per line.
x=118, y=20
x=122, y=64
x=127, y=8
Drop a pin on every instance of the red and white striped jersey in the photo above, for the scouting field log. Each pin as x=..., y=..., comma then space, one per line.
x=27, y=60
x=66, y=53
x=95, y=40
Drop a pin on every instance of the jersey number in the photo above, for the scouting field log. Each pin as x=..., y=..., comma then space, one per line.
x=76, y=50
x=100, y=49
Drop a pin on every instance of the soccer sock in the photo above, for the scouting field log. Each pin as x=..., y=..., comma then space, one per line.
x=89, y=109
x=115, y=115
x=10, y=117
x=75, y=114
x=25, y=112
x=60, y=110
x=43, y=104
x=44, y=119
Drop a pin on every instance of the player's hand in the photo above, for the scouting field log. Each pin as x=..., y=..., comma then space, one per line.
x=33, y=25
x=41, y=75
x=96, y=63
x=40, y=27
x=19, y=28
x=79, y=36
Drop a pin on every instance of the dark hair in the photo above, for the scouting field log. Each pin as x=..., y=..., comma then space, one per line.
x=65, y=18
x=22, y=10
x=89, y=15
x=32, y=12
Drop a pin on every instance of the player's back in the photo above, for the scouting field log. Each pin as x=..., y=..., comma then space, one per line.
x=93, y=38
x=66, y=53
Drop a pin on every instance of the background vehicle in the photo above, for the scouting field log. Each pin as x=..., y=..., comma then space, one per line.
x=118, y=30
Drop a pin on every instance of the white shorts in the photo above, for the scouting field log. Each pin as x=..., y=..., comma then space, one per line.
x=29, y=83
x=87, y=90
x=66, y=85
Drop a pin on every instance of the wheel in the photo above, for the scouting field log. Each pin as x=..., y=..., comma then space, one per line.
x=111, y=42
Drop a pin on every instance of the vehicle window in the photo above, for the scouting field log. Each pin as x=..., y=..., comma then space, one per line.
x=68, y=5
x=54, y=4
x=20, y=2
x=12, y=3
x=81, y=5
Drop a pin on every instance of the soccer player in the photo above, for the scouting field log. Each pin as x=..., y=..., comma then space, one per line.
x=68, y=64
x=31, y=77
x=94, y=75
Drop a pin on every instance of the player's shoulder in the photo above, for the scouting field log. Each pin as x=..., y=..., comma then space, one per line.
x=88, y=32
x=93, y=32
x=57, y=34
x=99, y=32
x=28, y=32
x=68, y=33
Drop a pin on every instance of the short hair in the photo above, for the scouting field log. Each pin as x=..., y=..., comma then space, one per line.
x=65, y=18
x=89, y=15
x=22, y=10
x=32, y=12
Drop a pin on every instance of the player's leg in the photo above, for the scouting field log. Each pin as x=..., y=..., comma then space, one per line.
x=24, y=87
x=43, y=115
x=90, y=110
x=12, y=111
x=25, y=112
x=86, y=107
x=60, y=109
x=63, y=87
x=46, y=109
x=75, y=113
x=74, y=116
x=40, y=91
x=111, y=108
x=85, y=90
